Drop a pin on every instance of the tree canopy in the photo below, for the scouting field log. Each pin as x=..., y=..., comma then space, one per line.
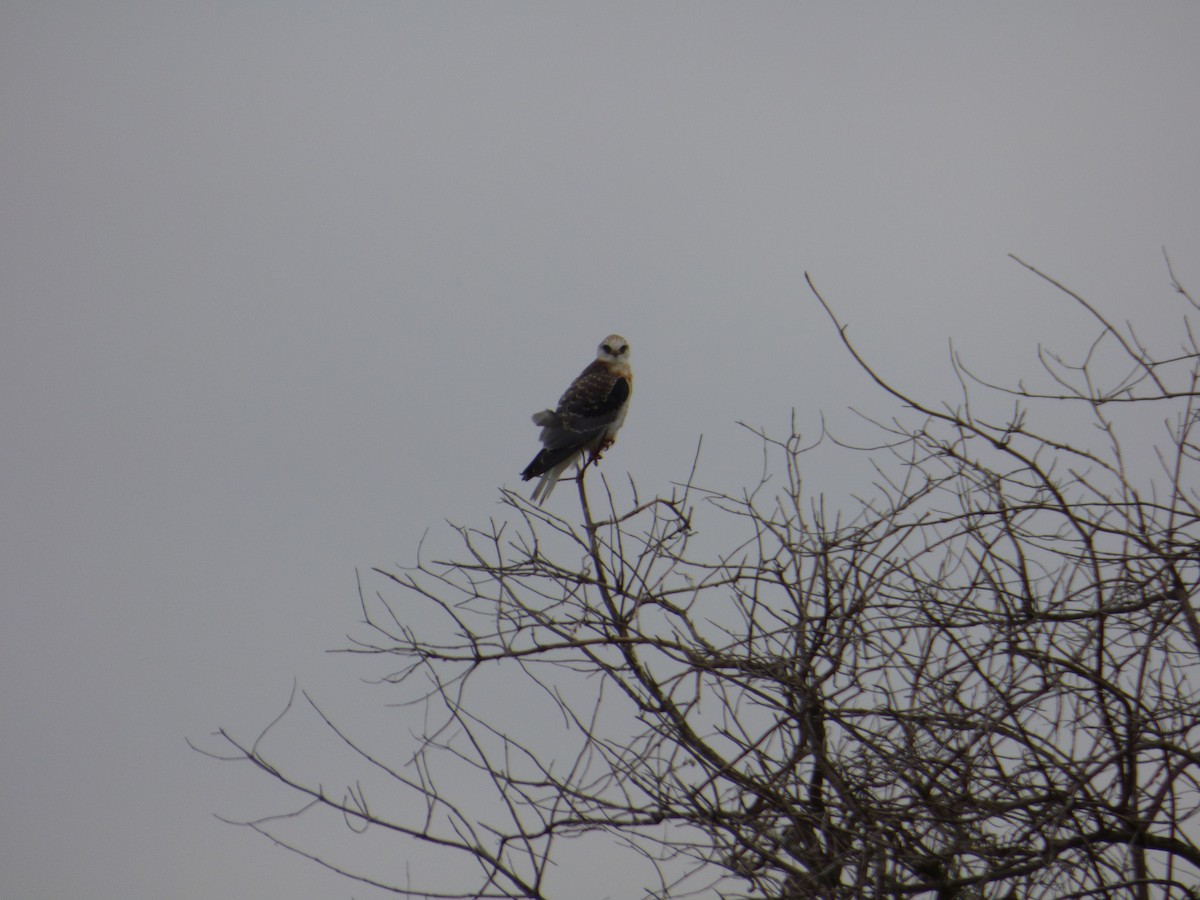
x=980, y=680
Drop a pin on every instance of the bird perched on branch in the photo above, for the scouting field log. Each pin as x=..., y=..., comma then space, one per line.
x=588, y=416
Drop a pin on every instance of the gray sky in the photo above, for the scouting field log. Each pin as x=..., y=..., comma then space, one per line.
x=282, y=283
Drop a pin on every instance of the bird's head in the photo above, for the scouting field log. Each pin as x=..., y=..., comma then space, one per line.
x=613, y=348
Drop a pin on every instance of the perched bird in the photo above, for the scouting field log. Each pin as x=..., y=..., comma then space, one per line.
x=589, y=414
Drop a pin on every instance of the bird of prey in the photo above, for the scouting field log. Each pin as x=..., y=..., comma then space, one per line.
x=589, y=414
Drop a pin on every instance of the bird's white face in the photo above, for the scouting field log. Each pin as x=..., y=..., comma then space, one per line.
x=613, y=348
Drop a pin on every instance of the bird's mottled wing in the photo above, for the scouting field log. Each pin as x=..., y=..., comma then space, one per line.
x=591, y=404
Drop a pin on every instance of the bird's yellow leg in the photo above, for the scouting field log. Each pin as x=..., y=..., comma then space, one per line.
x=596, y=454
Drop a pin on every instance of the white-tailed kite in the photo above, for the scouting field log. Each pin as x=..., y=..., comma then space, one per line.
x=587, y=419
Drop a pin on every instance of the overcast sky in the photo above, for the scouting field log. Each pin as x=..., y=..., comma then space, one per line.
x=282, y=282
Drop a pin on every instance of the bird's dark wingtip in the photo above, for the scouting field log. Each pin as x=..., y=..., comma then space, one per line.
x=546, y=460
x=535, y=468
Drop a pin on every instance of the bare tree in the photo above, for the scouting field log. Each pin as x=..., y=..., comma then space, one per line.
x=982, y=681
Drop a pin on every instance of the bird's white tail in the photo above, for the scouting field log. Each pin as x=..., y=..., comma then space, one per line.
x=547, y=482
